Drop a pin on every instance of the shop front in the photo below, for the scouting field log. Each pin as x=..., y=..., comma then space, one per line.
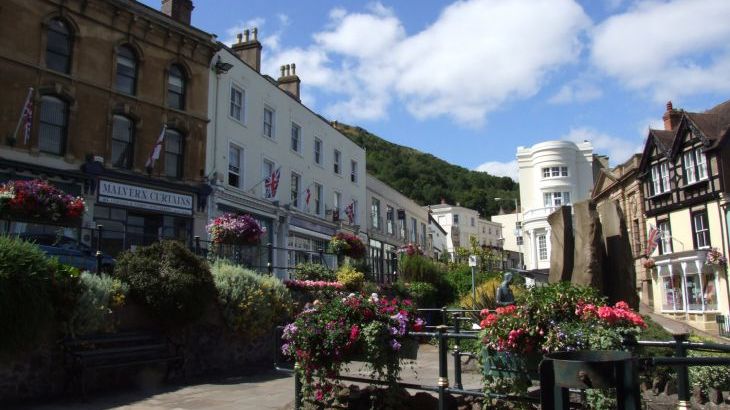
x=134, y=215
x=308, y=240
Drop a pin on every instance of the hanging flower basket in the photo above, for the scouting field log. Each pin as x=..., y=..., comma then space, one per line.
x=235, y=230
x=347, y=244
x=37, y=200
x=714, y=257
x=649, y=263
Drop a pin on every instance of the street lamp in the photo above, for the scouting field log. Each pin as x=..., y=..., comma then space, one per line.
x=517, y=231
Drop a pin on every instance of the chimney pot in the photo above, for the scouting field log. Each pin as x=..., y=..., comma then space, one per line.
x=245, y=35
x=289, y=81
x=239, y=36
x=671, y=117
x=249, y=51
x=255, y=34
x=669, y=105
x=293, y=69
x=288, y=70
x=283, y=68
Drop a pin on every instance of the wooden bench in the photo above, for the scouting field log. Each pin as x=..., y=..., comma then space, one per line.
x=118, y=350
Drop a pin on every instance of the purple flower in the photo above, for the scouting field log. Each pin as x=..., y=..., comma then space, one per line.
x=395, y=345
x=289, y=331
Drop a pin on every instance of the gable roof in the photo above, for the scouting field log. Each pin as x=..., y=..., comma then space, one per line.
x=712, y=126
x=661, y=139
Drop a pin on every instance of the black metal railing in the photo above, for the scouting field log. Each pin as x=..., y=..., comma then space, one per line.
x=452, y=330
x=723, y=325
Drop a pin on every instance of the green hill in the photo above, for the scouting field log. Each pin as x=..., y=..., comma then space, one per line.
x=427, y=179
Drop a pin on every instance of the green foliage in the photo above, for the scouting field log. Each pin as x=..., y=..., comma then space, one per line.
x=173, y=283
x=25, y=293
x=427, y=179
x=251, y=304
x=100, y=295
x=709, y=377
x=557, y=300
x=423, y=294
x=65, y=292
x=486, y=293
x=459, y=276
x=419, y=269
x=655, y=331
x=314, y=271
x=350, y=278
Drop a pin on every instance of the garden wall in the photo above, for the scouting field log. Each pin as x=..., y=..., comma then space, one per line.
x=209, y=348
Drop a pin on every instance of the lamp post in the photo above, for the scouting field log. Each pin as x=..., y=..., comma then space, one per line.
x=517, y=212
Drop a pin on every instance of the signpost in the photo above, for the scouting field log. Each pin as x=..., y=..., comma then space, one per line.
x=473, y=265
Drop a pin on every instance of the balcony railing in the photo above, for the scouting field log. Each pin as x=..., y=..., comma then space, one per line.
x=537, y=213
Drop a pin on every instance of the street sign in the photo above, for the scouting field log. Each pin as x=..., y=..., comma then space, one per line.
x=472, y=260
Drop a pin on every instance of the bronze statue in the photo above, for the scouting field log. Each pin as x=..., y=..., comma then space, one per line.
x=504, y=293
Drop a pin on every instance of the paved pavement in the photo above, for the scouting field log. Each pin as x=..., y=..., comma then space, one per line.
x=266, y=390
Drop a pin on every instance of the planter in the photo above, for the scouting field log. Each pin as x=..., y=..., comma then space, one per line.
x=509, y=365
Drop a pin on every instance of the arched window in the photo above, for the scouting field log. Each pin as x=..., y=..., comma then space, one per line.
x=173, y=154
x=176, y=87
x=126, y=70
x=53, y=125
x=122, y=142
x=58, y=47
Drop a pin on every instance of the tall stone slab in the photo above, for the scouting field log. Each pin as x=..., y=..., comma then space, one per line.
x=589, y=252
x=562, y=244
x=619, y=270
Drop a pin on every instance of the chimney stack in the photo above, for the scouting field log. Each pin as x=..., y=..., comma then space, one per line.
x=178, y=10
x=671, y=117
x=289, y=81
x=248, y=48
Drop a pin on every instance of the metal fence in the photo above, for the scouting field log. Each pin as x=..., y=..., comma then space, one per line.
x=723, y=325
x=451, y=330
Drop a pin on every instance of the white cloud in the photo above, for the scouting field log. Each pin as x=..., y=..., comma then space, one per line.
x=476, y=56
x=576, y=91
x=651, y=122
x=669, y=49
x=501, y=169
x=617, y=149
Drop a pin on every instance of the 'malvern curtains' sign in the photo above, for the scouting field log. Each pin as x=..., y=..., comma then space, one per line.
x=145, y=198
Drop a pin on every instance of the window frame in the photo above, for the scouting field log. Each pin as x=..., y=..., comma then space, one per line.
x=129, y=162
x=318, y=194
x=337, y=162
x=665, y=242
x=179, y=172
x=375, y=213
x=272, y=128
x=353, y=171
x=121, y=73
x=62, y=127
x=237, y=105
x=317, y=147
x=390, y=220
x=704, y=232
x=182, y=94
x=266, y=173
x=239, y=172
x=296, y=139
x=542, y=247
x=295, y=188
x=56, y=51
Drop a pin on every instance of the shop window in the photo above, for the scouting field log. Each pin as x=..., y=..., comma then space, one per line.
x=709, y=290
x=176, y=84
x=672, y=294
x=122, y=142
x=53, y=125
x=235, y=158
x=173, y=154
x=126, y=81
x=59, y=46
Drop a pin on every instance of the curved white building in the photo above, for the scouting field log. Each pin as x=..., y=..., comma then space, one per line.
x=552, y=173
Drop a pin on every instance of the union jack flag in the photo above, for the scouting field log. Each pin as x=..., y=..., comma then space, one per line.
x=307, y=196
x=350, y=212
x=652, y=242
x=272, y=183
x=27, y=116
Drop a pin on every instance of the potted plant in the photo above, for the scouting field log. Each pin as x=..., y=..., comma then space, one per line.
x=327, y=335
x=235, y=229
x=347, y=244
x=37, y=200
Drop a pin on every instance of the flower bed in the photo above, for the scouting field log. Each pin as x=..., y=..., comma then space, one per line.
x=235, y=229
x=39, y=200
x=347, y=244
x=312, y=285
x=325, y=336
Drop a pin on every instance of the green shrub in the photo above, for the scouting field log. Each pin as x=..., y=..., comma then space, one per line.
x=100, y=295
x=417, y=268
x=424, y=294
x=314, y=271
x=485, y=295
x=25, y=293
x=168, y=279
x=251, y=304
x=350, y=278
x=459, y=276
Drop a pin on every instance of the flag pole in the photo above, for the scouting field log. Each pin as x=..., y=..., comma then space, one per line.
x=22, y=112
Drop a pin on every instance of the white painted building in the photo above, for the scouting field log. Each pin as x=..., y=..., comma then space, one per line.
x=462, y=223
x=258, y=126
x=552, y=173
x=394, y=220
x=511, y=234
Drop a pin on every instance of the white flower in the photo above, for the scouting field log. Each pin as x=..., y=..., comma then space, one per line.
x=374, y=298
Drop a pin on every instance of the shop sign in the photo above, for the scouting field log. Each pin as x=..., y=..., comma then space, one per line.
x=145, y=198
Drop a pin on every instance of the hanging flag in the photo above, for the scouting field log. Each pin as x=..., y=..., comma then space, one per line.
x=653, y=240
x=26, y=117
x=272, y=183
x=308, y=195
x=155, y=154
x=350, y=212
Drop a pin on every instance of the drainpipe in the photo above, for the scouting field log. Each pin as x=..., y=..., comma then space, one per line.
x=723, y=208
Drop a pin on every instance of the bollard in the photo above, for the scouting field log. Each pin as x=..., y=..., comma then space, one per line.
x=680, y=350
x=98, y=249
x=444, y=318
x=297, y=387
x=443, y=381
x=270, y=265
x=197, y=245
x=457, y=352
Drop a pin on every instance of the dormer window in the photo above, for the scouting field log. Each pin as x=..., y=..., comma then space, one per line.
x=660, y=178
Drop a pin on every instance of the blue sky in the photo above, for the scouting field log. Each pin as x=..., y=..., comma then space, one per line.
x=472, y=80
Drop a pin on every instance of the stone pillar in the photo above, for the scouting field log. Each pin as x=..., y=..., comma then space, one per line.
x=620, y=274
x=589, y=254
x=562, y=244
x=533, y=250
